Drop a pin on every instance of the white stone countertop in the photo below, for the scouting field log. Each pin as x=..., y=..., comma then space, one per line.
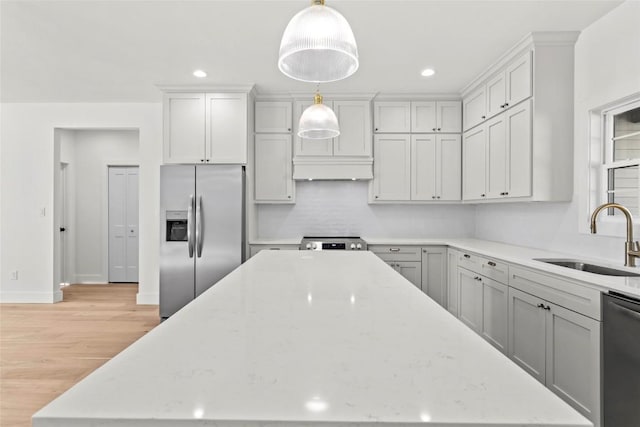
x=301, y=338
x=526, y=257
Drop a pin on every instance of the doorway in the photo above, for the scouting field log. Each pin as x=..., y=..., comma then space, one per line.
x=123, y=224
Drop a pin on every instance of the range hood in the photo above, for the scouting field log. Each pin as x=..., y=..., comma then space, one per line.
x=333, y=169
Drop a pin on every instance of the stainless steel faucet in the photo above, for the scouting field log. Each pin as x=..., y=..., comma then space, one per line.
x=632, y=249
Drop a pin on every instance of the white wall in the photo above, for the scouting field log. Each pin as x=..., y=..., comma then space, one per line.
x=28, y=170
x=607, y=68
x=94, y=152
x=325, y=208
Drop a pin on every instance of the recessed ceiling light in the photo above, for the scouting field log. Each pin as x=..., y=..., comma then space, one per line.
x=428, y=72
x=199, y=73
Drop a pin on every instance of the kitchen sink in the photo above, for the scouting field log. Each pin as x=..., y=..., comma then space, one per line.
x=589, y=268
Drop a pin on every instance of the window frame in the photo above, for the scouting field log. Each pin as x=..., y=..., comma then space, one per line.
x=608, y=162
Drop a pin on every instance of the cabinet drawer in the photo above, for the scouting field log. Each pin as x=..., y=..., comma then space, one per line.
x=562, y=292
x=397, y=253
x=470, y=261
x=496, y=270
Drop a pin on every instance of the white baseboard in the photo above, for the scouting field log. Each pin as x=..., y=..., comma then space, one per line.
x=9, y=297
x=147, y=299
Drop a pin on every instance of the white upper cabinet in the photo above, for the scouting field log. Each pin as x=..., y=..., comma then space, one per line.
x=392, y=168
x=392, y=116
x=474, y=164
x=505, y=89
x=273, y=169
x=523, y=108
x=418, y=117
x=435, y=167
x=205, y=128
x=226, y=131
x=518, y=80
x=474, y=108
x=354, y=118
x=273, y=117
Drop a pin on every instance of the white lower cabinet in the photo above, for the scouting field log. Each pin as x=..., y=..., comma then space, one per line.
x=494, y=313
x=470, y=308
x=410, y=270
x=434, y=271
x=452, y=281
x=559, y=347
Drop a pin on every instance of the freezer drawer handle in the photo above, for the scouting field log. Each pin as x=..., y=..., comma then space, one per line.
x=189, y=226
x=199, y=226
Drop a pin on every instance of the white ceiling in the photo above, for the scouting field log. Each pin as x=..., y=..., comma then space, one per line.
x=109, y=51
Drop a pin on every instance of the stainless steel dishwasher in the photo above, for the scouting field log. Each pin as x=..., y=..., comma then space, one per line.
x=621, y=360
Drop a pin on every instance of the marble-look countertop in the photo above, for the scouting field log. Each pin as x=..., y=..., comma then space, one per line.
x=526, y=257
x=301, y=338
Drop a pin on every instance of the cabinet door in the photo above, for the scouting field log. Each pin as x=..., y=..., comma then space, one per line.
x=573, y=359
x=474, y=108
x=452, y=281
x=273, y=171
x=392, y=117
x=470, y=308
x=519, y=150
x=474, y=164
x=410, y=270
x=434, y=273
x=519, y=83
x=495, y=302
x=226, y=127
x=527, y=333
x=310, y=147
x=392, y=175
x=273, y=117
x=354, y=118
x=448, y=167
x=184, y=127
x=496, y=95
x=423, y=167
x=423, y=117
x=449, y=116
x=496, y=157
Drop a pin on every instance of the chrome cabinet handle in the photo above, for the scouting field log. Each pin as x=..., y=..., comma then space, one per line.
x=189, y=226
x=199, y=226
x=394, y=249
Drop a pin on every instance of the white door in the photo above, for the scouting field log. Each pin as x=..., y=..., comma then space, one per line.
x=273, y=171
x=423, y=167
x=448, y=167
x=184, y=127
x=354, y=118
x=226, y=128
x=519, y=150
x=449, y=116
x=496, y=157
x=473, y=164
x=123, y=224
x=423, y=117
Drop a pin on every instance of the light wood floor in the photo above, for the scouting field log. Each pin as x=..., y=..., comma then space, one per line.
x=47, y=348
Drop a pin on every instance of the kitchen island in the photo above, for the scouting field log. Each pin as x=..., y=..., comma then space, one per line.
x=305, y=338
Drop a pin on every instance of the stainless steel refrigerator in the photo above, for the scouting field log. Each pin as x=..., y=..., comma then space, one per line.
x=201, y=230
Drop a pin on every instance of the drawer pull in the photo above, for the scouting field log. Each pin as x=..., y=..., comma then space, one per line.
x=467, y=256
x=394, y=249
x=491, y=263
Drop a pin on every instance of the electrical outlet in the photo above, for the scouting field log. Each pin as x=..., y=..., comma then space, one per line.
x=14, y=275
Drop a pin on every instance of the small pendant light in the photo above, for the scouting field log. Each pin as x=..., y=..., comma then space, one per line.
x=318, y=121
x=318, y=46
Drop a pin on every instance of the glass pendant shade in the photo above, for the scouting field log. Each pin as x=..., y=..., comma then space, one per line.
x=318, y=121
x=318, y=46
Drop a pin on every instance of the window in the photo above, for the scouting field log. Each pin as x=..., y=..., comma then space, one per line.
x=621, y=165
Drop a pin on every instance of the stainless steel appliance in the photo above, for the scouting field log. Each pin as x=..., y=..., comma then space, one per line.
x=333, y=243
x=201, y=232
x=621, y=360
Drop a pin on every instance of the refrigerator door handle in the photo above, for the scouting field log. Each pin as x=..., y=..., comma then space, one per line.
x=199, y=226
x=189, y=226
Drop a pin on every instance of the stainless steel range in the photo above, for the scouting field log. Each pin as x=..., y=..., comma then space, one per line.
x=324, y=243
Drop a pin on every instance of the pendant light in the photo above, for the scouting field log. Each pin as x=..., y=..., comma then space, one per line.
x=318, y=121
x=318, y=46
